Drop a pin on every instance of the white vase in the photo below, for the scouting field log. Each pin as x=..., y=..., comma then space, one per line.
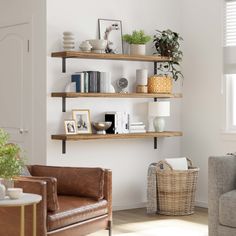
x=159, y=124
x=2, y=191
x=137, y=49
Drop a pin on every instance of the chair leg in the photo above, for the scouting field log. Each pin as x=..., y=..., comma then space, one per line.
x=109, y=227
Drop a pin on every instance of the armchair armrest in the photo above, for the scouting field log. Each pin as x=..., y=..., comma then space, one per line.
x=221, y=179
x=36, y=187
x=108, y=191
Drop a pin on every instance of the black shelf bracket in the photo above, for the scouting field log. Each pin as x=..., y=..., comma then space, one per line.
x=63, y=65
x=63, y=104
x=63, y=146
x=155, y=67
x=155, y=142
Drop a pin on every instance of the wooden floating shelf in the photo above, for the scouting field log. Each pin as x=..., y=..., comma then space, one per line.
x=116, y=95
x=76, y=137
x=106, y=56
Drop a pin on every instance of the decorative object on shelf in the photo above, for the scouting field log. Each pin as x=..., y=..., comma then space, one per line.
x=111, y=30
x=14, y=193
x=141, y=89
x=167, y=43
x=82, y=120
x=68, y=41
x=122, y=85
x=158, y=110
x=98, y=45
x=85, y=46
x=2, y=191
x=70, y=87
x=160, y=84
x=137, y=127
x=70, y=127
x=141, y=80
x=101, y=127
x=137, y=41
x=11, y=162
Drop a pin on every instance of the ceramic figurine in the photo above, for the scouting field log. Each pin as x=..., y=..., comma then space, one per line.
x=85, y=46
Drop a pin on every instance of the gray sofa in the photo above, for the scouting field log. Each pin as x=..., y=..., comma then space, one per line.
x=222, y=195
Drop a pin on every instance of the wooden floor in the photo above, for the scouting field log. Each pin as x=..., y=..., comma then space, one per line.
x=137, y=223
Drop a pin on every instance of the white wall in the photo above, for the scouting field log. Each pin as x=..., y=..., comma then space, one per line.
x=33, y=12
x=203, y=109
x=128, y=159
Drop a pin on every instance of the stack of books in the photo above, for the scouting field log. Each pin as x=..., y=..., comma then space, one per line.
x=92, y=81
x=137, y=127
x=120, y=122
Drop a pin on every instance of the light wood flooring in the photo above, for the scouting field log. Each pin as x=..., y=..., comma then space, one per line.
x=136, y=222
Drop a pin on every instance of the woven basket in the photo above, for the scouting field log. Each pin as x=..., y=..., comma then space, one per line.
x=159, y=84
x=176, y=189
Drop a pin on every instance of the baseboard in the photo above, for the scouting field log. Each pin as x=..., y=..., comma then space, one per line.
x=201, y=204
x=117, y=207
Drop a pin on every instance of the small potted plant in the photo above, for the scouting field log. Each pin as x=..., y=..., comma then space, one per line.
x=167, y=44
x=137, y=41
x=10, y=161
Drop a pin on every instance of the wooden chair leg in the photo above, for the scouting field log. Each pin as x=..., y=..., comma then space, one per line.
x=109, y=227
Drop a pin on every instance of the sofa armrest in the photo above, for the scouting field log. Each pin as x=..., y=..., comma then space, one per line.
x=221, y=179
x=108, y=191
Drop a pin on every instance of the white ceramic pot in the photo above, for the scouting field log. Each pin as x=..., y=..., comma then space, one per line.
x=2, y=191
x=137, y=49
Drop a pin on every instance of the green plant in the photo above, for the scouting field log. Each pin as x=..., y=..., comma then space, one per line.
x=137, y=37
x=167, y=43
x=10, y=161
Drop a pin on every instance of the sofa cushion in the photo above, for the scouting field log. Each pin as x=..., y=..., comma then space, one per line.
x=227, y=209
x=74, y=181
x=74, y=210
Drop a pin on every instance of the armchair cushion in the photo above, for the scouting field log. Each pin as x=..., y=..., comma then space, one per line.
x=82, y=182
x=74, y=210
x=227, y=209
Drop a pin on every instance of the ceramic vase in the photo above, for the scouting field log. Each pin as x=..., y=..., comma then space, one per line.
x=68, y=41
x=137, y=49
x=2, y=191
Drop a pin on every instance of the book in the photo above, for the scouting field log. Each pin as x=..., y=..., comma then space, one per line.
x=137, y=131
x=137, y=127
x=77, y=79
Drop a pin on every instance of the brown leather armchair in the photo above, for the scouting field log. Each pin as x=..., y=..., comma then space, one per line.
x=75, y=202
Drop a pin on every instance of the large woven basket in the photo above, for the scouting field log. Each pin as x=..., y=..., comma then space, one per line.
x=176, y=189
x=160, y=84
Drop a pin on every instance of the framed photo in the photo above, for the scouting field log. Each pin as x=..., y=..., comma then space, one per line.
x=82, y=121
x=111, y=30
x=70, y=127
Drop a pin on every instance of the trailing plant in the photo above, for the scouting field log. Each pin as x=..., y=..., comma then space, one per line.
x=167, y=43
x=10, y=161
x=137, y=37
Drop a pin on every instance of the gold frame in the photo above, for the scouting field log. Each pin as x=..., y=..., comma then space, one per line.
x=84, y=111
x=65, y=126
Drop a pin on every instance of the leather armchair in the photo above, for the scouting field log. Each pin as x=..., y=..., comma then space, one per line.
x=75, y=202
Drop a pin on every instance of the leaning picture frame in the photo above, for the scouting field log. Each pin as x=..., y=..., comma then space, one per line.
x=70, y=127
x=111, y=30
x=82, y=121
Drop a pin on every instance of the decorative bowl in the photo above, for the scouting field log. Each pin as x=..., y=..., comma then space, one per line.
x=101, y=127
x=98, y=44
x=14, y=193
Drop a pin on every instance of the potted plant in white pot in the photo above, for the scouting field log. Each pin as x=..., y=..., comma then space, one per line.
x=137, y=41
x=167, y=44
x=11, y=163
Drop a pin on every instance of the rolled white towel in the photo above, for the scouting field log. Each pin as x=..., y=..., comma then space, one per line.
x=179, y=163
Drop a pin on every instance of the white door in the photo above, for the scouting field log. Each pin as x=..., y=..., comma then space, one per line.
x=16, y=84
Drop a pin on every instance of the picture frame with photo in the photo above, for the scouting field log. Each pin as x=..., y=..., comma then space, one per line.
x=111, y=30
x=82, y=121
x=70, y=127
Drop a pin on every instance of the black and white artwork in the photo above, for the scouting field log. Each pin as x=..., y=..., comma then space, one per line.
x=111, y=30
x=82, y=120
x=70, y=127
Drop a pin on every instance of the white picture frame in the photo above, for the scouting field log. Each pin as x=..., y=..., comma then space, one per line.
x=111, y=30
x=70, y=127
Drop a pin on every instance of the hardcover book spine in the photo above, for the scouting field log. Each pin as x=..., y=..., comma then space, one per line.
x=77, y=79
